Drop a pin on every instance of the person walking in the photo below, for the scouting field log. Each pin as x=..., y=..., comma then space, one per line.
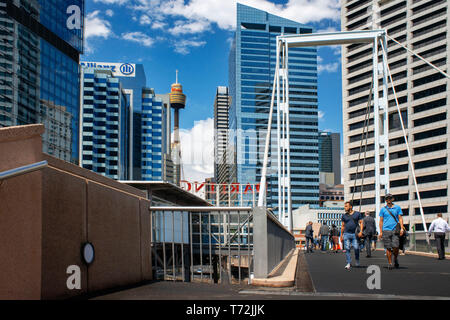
x=374, y=240
x=335, y=237
x=324, y=232
x=350, y=220
x=368, y=231
x=391, y=229
x=439, y=226
x=309, y=235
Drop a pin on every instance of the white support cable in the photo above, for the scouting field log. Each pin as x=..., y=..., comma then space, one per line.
x=288, y=144
x=420, y=57
x=278, y=129
x=283, y=137
x=408, y=149
x=262, y=187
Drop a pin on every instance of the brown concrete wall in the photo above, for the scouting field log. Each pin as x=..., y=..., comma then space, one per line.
x=46, y=216
x=20, y=214
x=146, y=227
x=114, y=229
x=63, y=232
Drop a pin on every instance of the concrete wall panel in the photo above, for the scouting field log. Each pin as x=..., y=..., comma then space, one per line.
x=63, y=232
x=20, y=237
x=20, y=214
x=114, y=230
x=145, y=240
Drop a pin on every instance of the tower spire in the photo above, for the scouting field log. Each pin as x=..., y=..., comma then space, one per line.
x=176, y=80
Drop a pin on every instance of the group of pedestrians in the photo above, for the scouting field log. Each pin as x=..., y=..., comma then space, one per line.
x=357, y=229
x=391, y=230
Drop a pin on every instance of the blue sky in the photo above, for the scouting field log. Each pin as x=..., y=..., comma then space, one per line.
x=194, y=37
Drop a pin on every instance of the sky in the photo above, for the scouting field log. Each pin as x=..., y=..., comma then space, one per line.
x=194, y=37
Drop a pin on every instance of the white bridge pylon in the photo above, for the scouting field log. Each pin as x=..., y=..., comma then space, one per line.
x=281, y=87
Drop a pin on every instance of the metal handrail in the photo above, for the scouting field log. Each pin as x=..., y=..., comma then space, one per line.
x=22, y=170
x=197, y=209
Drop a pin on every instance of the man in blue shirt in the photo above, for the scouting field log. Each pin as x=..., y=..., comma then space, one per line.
x=350, y=221
x=390, y=216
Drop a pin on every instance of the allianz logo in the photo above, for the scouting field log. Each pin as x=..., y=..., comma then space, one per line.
x=124, y=68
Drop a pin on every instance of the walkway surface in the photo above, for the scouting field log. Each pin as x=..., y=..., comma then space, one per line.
x=417, y=278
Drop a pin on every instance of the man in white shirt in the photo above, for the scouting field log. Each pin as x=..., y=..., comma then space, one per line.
x=439, y=226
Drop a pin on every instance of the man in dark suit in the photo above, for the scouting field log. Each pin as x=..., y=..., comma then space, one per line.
x=368, y=232
x=309, y=235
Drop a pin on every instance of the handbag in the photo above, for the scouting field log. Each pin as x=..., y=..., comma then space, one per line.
x=398, y=226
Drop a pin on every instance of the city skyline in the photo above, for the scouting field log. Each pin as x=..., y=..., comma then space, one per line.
x=203, y=62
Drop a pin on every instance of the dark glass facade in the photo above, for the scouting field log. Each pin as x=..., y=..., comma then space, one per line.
x=252, y=66
x=39, y=75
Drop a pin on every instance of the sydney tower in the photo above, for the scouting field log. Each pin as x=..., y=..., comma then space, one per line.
x=177, y=102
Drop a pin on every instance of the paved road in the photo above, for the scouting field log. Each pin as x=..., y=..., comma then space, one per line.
x=417, y=275
x=417, y=278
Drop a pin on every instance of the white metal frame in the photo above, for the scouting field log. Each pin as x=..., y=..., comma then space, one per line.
x=285, y=42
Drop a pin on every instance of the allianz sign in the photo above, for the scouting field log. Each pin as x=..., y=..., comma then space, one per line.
x=117, y=69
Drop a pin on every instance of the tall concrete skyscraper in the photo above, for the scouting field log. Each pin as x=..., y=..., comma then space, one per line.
x=221, y=105
x=251, y=71
x=423, y=94
x=329, y=158
x=40, y=46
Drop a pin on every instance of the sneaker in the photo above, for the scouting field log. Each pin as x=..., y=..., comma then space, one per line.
x=348, y=266
x=396, y=265
x=357, y=264
x=390, y=266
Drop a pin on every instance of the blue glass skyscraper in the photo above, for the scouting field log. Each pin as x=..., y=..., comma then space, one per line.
x=152, y=136
x=105, y=114
x=251, y=70
x=124, y=123
x=39, y=70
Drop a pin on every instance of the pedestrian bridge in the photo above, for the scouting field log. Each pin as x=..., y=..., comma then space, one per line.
x=57, y=217
x=319, y=276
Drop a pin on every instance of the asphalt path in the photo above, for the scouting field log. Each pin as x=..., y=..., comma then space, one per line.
x=417, y=275
x=418, y=278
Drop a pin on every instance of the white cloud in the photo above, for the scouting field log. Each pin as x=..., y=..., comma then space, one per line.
x=223, y=13
x=320, y=115
x=109, y=13
x=95, y=26
x=326, y=67
x=118, y=2
x=329, y=67
x=138, y=37
x=158, y=25
x=197, y=150
x=183, y=46
x=181, y=27
x=145, y=20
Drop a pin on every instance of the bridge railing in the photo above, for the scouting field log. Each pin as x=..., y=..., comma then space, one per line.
x=216, y=244
x=416, y=241
x=202, y=244
x=273, y=242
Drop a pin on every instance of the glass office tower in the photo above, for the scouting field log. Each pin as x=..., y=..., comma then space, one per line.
x=123, y=122
x=105, y=116
x=152, y=136
x=39, y=72
x=251, y=71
